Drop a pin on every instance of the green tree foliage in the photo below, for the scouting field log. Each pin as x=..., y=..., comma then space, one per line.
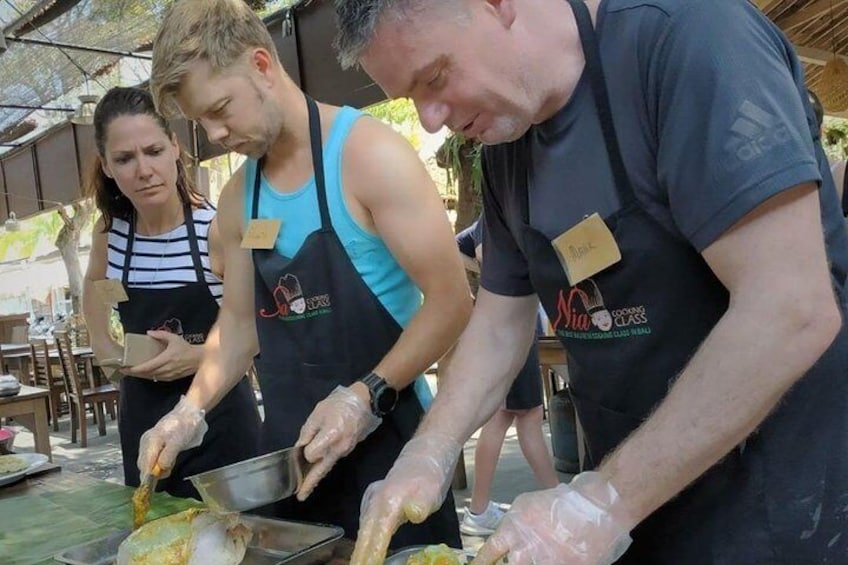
x=21, y=244
x=835, y=138
x=401, y=115
x=461, y=158
x=398, y=111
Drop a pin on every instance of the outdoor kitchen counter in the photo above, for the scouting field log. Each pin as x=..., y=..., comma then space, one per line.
x=51, y=511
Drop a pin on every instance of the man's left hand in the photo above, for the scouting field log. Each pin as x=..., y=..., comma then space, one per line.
x=578, y=523
x=336, y=425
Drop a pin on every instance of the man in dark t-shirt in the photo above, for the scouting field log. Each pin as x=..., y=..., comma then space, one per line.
x=655, y=176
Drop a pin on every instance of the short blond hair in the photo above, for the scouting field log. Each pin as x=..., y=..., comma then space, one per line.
x=217, y=31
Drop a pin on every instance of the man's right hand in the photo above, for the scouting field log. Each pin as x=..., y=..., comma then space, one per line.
x=180, y=429
x=414, y=488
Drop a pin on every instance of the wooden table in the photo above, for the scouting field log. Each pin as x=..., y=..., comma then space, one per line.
x=29, y=407
x=551, y=354
x=21, y=360
x=551, y=351
x=16, y=351
x=12, y=348
x=47, y=478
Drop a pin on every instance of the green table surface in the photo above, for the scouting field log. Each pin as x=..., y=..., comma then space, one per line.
x=41, y=516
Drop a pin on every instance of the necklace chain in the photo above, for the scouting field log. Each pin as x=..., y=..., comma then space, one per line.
x=162, y=256
x=165, y=247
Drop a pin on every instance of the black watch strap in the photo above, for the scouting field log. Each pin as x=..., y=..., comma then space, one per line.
x=383, y=397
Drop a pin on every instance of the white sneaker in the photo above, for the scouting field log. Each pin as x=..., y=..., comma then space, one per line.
x=483, y=524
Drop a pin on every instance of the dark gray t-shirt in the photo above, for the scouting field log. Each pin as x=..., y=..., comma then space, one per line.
x=712, y=117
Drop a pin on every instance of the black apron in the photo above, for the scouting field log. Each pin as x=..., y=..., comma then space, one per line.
x=234, y=424
x=320, y=326
x=766, y=501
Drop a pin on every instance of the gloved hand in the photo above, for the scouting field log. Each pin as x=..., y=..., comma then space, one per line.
x=581, y=523
x=180, y=429
x=337, y=424
x=414, y=488
x=180, y=359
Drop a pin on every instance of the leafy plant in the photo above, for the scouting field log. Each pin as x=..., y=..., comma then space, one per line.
x=835, y=138
x=458, y=154
x=400, y=113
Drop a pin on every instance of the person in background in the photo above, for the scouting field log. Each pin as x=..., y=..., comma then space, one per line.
x=333, y=232
x=157, y=241
x=837, y=167
x=653, y=175
x=523, y=405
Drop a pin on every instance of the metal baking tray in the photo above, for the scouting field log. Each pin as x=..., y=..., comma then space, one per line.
x=275, y=542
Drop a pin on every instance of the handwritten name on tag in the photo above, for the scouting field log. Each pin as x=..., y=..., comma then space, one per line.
x=111, y=291
x=586, y=249
x=261, y=234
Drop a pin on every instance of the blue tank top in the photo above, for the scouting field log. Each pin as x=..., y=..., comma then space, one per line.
x=300, y=216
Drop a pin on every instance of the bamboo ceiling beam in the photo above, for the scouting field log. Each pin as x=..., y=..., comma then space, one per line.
x=764, y=5
x=808, y=14
x=815, y=56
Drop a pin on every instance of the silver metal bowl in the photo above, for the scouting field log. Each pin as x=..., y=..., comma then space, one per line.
x=253, y=482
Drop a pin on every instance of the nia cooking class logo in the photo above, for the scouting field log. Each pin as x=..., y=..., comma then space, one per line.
x=582, y=314
x=291, y=304
x=175, y=326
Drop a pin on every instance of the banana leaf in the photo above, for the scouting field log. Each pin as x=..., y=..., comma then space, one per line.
x=34, y=527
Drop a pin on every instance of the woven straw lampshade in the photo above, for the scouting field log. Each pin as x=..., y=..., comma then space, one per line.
x=833, y=86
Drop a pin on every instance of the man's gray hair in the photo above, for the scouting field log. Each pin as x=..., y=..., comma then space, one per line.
x=357, y=22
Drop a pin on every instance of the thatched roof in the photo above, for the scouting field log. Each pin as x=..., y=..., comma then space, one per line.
x=817, y=29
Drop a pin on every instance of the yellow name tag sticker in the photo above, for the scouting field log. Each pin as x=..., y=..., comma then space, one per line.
x=261, y=234
x=111, y=291
x=586, y=249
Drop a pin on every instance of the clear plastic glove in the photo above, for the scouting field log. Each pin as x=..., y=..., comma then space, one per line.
x=180, y=429
x=337, y=424
x=580, y=523
x=414, y=488
x=180, y=359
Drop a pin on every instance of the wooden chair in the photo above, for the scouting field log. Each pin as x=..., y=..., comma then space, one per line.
x=83, y=339
x=20, y=334
x=80, y=397
x=43, y=376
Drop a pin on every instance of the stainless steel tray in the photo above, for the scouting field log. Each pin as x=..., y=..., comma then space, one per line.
x=275, y=542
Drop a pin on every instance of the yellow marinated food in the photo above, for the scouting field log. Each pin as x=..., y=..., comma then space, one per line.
x=435, y=555
x=191, y=537
x=12, y=464
x=140, y=504
x=141, y=498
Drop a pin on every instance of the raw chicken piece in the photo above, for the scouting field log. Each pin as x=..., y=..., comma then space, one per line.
x=192, y=537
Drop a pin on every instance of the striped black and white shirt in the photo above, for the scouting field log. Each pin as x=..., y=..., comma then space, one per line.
x=163, y=261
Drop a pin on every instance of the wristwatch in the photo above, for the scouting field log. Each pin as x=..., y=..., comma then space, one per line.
x=383, y=397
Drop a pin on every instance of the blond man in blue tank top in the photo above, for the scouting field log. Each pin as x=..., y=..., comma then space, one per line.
x=342, y=272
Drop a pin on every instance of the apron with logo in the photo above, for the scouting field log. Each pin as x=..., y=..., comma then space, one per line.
x=320, y=326
x=190, y=311
x=630, y=329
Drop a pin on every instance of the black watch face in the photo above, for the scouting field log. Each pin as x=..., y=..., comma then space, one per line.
x=386, y=400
